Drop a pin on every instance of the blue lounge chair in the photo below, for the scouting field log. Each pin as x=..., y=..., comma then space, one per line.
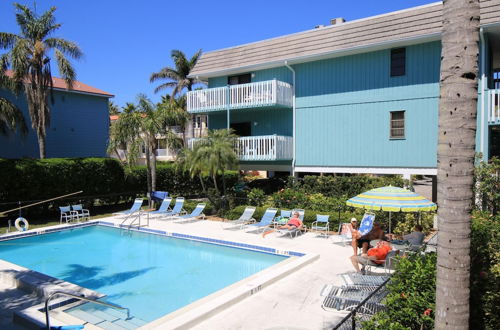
x=246, y=218
x=164, y=207
x=194, y=215
x=266, y=220
x=135, y=207
x=366, y=223
x=283, y=218
x=321, y=225
x=177, y=210
x=66, y=214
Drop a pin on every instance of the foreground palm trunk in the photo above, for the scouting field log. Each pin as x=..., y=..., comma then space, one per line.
x=456, y=147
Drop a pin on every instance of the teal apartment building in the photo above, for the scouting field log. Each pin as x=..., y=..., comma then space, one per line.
x=79, y=124
x=351, y=97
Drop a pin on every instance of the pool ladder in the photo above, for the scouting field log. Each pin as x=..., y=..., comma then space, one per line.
x=134, y=216
x=94, y=301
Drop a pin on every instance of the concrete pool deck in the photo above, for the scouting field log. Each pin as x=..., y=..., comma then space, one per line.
x=291, y=302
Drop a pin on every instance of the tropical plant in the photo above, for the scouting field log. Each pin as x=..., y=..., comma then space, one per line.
x=455, y=159
x=213, y=155
x=487, y=185
x=11, y=117
x=139, y=126
x=28, y=55
x=257, y=197
x=113, y=108
x=178, y=78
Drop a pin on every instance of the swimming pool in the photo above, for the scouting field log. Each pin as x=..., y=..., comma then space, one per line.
x=150, y=274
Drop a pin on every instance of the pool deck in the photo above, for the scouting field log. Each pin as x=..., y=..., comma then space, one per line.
x=291, y=302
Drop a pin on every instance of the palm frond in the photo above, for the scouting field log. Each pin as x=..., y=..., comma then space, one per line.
x=65, y=69
x=165, y=73
x=11, y=118
x=166, y=85
x=7, y=40
x=66, y=47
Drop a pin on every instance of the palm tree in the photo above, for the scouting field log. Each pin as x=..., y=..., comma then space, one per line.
x=178, y=78
x=139, y=126
x=113, y=108
x=212, y=155
x=456, y=147
x=11, y=117
x=29, y=57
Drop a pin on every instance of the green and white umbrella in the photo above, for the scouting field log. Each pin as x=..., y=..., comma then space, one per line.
x=392, y=199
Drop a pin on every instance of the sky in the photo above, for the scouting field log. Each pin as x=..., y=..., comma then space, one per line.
x=124, y=41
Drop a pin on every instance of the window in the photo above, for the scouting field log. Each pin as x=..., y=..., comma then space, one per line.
x=397, y=125
x=199, y=121
x=398, y=62
x=240, y=79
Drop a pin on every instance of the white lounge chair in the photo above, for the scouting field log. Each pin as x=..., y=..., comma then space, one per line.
x=243, y=220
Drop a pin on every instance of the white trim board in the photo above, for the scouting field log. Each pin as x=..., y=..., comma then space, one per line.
x=406, y=171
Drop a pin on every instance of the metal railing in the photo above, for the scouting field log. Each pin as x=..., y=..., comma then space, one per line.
x=493, y=105
x=349, y=321
x=258, y=94
x=260, y=147
x=55, y=293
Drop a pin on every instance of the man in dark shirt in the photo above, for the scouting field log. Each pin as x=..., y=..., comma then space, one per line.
x=376, y=233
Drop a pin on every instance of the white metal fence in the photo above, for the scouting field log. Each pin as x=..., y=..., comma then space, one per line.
x=258, y=94
x=494, y=105
x=263, y=147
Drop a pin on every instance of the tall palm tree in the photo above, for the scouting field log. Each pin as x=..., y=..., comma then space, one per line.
x=11, y=117
x=29, y=58
x=178, y=78
x=456, y=147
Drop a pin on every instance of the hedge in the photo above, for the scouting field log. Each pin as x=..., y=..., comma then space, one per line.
x=102, y=179
x=309, y=215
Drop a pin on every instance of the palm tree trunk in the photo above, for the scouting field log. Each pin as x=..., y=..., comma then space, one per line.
x=456, y=148
x=41, y=145
x=153, y=168
x=148, y=172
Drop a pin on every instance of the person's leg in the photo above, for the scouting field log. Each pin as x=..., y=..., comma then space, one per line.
x=354, y=260
x=354, y=245
x=365, y=247
x=264, y=234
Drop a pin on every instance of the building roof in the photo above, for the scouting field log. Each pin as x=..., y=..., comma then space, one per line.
x=78, y=87
x=403, y=27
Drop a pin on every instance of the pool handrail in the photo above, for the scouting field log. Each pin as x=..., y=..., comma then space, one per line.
x=80, y=298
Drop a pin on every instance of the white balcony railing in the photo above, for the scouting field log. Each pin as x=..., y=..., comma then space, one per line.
x=258, y=94
x=493, y=105
x=263, y=147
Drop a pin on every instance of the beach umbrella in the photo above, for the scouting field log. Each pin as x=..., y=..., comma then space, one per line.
x=391, y=199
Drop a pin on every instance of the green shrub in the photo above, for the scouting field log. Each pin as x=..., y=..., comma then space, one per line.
x=487, y=187
x=412, y=295
x=409, y=220
x=257, y=197
x=190, y=205
x=485, y=271
x=289, y=199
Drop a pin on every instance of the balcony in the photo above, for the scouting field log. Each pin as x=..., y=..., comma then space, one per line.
x=260, y=148
x=493, y=106
x=271, y=93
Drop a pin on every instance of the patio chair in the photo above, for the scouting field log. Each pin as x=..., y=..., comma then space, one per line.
x=351, y=279
x=387, y=264
x=164, y=207
x=177, y=210
x=282, y=219
x=366, y=223
x=342, y=298
x=266, y=220
x=66, y=214
x=79, y=212
x=135, y=207
x=243, y=220
x=194, y=215
x=345, y=234
x=321, y=225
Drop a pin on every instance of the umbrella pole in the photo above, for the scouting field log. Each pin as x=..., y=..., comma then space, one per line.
x=420, y=218
x=389, y=222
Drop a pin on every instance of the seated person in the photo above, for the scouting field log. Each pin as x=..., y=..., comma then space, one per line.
x=373, y=257
x=293, y=223
x=353, y=227
x=416, y=238
x=376, y=233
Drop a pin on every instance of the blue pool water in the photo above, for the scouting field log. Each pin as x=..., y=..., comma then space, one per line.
x=152, y=275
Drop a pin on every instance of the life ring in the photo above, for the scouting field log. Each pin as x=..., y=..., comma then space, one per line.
x=25, y=223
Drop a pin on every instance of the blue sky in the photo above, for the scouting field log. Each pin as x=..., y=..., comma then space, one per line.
x=125, y=41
